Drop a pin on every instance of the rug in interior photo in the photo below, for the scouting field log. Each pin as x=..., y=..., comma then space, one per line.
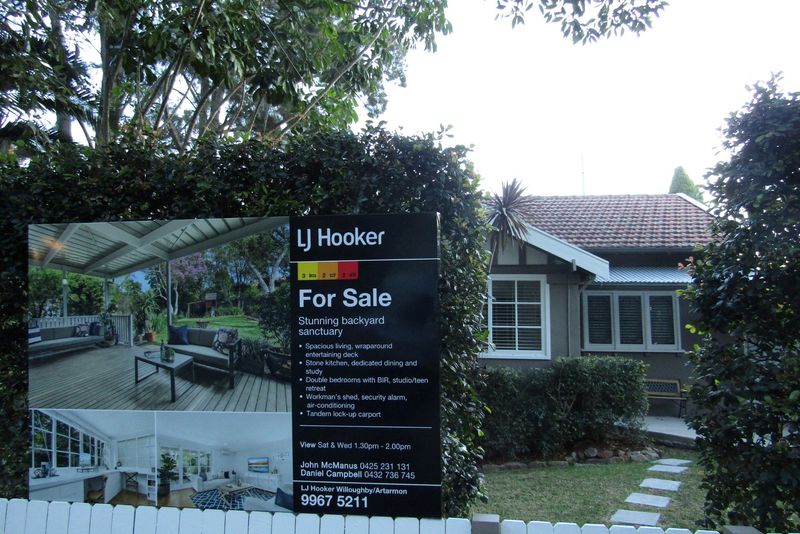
x=212, y=499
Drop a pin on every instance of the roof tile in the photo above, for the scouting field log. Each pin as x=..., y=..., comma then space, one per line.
x=620, y=221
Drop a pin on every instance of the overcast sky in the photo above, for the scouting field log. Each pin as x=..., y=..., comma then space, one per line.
x=535, y=106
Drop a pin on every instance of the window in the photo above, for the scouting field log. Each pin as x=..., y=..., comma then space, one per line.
x=517, y=313
x=60, y=444
x=631, y=321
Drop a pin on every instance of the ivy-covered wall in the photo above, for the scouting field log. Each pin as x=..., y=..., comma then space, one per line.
x=330, y=173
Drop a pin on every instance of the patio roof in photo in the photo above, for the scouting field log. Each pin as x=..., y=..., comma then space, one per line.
x=112, y=249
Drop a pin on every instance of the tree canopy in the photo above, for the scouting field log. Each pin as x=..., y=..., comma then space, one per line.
x=229, y=68
x=681, y=183
x=745, y=290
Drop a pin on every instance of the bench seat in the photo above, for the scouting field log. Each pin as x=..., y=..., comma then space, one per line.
x=59, y=340
x=201, y=352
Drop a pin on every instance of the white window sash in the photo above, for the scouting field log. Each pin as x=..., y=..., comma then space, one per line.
x=544, y=303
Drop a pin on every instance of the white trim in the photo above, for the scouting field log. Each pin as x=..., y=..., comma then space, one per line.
x=545, y=353
x=566, y=251
x=616, y=346
x=694, y=202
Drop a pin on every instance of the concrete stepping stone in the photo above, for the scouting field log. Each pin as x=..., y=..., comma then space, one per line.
x=668, y=469
x=630, y=517
x=660, y=484
x=673, y=461
x=648, y=500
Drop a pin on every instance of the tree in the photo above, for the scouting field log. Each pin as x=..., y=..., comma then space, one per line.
x=186, y=271
x=681, y=183
x=505, y=216
x=44, y=292
x=585, y=21
x=744, y=288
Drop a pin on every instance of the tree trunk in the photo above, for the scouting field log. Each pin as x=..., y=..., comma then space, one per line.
x=63, y=122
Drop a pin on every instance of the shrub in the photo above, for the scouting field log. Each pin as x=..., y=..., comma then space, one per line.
x=540, y=412
x=229, y=310
x=314, y=174
x=274, y=318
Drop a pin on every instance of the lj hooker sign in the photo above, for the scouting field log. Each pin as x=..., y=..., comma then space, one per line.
x=365, y=364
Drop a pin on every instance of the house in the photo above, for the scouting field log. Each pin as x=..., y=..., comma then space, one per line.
x=597, y=275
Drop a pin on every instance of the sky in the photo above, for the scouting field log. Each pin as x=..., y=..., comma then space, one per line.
x=613, y=117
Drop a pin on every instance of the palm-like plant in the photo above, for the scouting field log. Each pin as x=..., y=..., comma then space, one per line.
x=505, y=216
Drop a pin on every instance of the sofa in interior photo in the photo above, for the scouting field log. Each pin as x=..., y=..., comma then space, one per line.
x=59, y=340
x=213, y=481
x=282, y=501
x=199, y=344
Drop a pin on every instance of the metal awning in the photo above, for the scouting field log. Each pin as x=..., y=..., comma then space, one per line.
x=112, y=249
x=645, y=275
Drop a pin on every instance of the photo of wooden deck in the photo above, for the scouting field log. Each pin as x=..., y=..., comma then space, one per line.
x=103, y=378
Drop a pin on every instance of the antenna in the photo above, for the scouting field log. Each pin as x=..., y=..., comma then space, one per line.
x=583, y=177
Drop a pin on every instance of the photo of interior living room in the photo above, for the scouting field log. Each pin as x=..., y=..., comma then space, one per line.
x=94, y=456
x=225, y=461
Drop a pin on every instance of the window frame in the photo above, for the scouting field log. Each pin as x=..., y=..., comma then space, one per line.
x=616, y=345
x=544, y=303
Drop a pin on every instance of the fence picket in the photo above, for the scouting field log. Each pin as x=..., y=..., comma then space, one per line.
x=430, y=526
x=122, y=520
x=356, y=524
x=213, y=522
x=36, y=520
x=16, y=513
x=102, y=514
x=406, y=525
x=236, y=522
x=540, y=527
x=3, y=507
x=80, y=518
x=381, y=525
x=57, y=518
x=513, y=526
x=191, y=522
x=145, y=519
x=651, y=530
x=457, y=525
x=623, y=529
x=592, y=528
x=259, y=523
x=566, y=528
x=168, y=520
x=306, y=524
x=283, y=523
x=331, y=524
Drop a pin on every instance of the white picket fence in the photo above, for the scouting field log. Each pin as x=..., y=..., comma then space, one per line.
x=20, y=516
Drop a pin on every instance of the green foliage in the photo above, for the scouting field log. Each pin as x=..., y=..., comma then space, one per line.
x=681, y=183
x=44, y=292
x=585, y=21
x=318, y=173
x=543, y=411
x=747, y=370
x=274, y=316
x=168, y=468
x=506, y=216
x=84, y=295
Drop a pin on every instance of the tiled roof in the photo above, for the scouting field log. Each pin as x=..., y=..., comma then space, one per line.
x=645, y=275
x=620, y=221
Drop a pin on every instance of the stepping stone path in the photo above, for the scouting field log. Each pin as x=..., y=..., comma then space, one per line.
x=633, y=517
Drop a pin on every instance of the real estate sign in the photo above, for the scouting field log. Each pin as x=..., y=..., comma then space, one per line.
x=365, y=365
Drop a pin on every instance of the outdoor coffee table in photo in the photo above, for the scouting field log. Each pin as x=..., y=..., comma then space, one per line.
x=153, y=357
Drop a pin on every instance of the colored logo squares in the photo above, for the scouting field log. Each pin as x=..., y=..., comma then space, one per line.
x=327, y=270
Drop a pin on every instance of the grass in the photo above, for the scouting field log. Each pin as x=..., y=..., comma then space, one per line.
x=247, y=327
x=592, y=493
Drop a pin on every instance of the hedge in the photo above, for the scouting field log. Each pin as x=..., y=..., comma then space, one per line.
x=543, y=411
x=324, y=173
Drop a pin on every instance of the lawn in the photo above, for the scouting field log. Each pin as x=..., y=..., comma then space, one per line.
x=592, y=493
x=247, y=327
